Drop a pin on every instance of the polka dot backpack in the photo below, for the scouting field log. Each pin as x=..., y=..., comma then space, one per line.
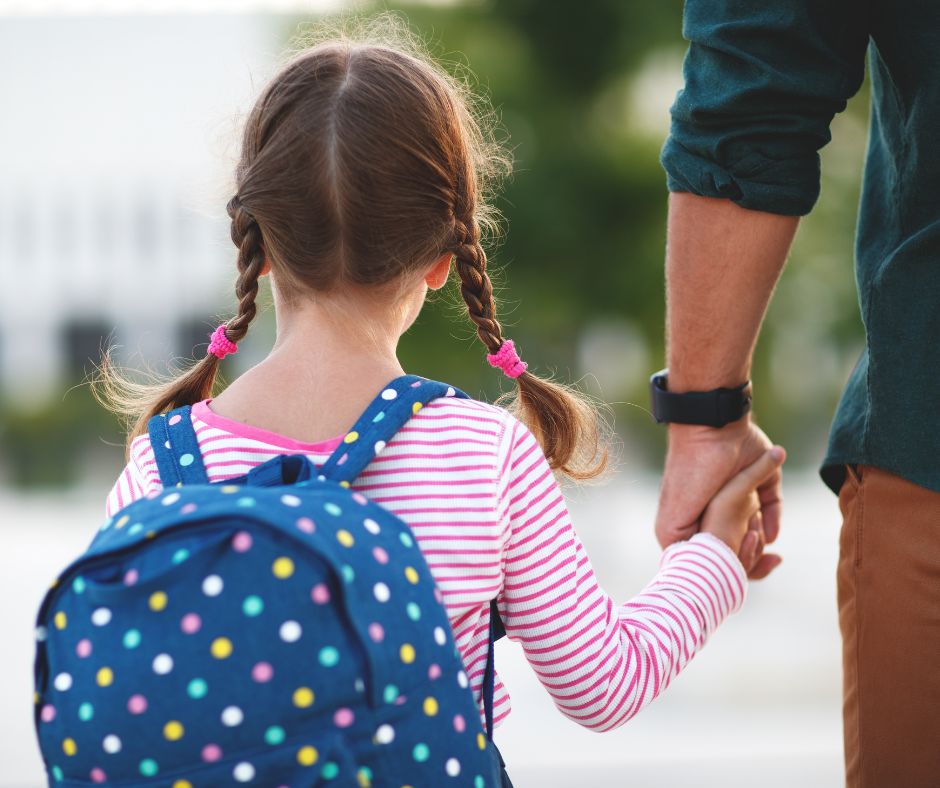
x=275, y=630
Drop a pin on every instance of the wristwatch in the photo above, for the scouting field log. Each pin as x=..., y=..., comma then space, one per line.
x=714, y=408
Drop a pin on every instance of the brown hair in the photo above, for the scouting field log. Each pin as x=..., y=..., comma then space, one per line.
x=361, y=162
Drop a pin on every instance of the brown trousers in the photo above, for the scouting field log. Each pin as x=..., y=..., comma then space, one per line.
x=889, y=614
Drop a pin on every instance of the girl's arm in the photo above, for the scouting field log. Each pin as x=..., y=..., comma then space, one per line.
x=600, y=662
x=132, y=483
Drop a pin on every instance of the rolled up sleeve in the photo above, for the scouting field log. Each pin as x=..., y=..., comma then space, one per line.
x=763, y=80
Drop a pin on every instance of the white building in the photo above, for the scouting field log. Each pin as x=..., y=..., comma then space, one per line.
x=117, y=139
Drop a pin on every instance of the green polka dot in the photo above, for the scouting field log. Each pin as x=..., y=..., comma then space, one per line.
x=132, y=638
x=245, y=502
x=365, y=773
x=57, y=773
x=414, y=612
x=378, y=417
x=186, y=459
x=329, y=656
x=180, y=555
x=148, y=767
x=348, y=574
x=78, y=584
x=86, y=711
x=136, y=528
x=420, y=752
x=390, y=694
x=406, y=539
x=252, y=606
x=332, y=508
x=274, y=735
x=329, y=770
x=197, y=688
x=478, y=782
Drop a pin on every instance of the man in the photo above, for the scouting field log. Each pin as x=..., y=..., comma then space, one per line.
x=763, y=80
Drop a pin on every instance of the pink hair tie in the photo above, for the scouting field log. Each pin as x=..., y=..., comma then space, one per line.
x=220, y=345
x=507, y=359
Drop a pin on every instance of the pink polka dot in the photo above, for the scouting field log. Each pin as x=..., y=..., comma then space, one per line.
x=434, y=672
x=48, y=713
x=83, y=648
x=416, y=384
x=137, y=704
x=320, y=594
x=262, y=672
x=343, y=718
x=306, y=525
x=175, y=419
x=360, y=498
x=460, y=725
x=211, y=753
x=376, y=632
x=401, y=700
x=438, y=595
x=191, y=623
x=241, y=542
x=188, y=508
x=380, y=555
x=131, y=576
x=98, y=776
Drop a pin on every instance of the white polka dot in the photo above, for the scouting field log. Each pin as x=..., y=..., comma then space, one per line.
x=212, y=585
x=450, y=392
x=462, y=679
x=385, y=734
x=379, y=445
x=244, y=772
x=63, y=682
x=111, y=744
x=440, y=636
x=382, y=594
x=389, y=394
x=162, y=664
x=167, y=444
x=41, y=634
x=232, y=716
x=170, y=499
x=452, y=767
x=371, y=526
x=290, y=500
x=101, y=616
x=290, y=631
x=360, y=685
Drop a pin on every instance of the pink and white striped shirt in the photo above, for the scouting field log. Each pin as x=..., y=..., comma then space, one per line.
x=485, y=508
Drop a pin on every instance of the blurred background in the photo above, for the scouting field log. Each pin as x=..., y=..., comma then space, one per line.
x=117, y=138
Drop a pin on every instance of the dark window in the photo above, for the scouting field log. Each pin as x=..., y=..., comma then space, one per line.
x=84, y=341
x=193, y=338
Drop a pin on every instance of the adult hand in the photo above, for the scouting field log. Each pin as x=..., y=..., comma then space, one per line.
x=698, y=463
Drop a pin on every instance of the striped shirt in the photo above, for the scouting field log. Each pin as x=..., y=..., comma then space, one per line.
x=475, y=488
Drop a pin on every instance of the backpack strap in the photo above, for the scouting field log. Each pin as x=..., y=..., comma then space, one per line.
x=176, y=448
x=388, y=413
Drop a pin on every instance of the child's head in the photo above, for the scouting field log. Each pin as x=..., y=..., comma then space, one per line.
x=363, y=168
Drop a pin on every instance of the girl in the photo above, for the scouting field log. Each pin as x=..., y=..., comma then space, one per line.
x=361, y=184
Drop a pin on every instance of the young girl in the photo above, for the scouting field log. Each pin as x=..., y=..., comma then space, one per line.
x=360, y=186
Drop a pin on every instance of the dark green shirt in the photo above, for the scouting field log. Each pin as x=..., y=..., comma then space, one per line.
x=763, y=79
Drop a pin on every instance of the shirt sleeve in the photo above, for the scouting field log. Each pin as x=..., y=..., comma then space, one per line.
x=138, y=478
x=763, y=80
x=600, y=662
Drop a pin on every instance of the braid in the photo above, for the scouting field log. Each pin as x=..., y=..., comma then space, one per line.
x=246, y=235
x=475, y=285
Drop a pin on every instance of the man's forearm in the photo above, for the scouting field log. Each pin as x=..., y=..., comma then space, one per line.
x=722, y=262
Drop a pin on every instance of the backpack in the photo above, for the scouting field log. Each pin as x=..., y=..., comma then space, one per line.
x=278, y=629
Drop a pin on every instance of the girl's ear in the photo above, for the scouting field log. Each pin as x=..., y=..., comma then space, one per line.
x=436, y=277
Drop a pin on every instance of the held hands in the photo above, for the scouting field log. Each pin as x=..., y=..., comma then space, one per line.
x=699, y=463
x=734, y=514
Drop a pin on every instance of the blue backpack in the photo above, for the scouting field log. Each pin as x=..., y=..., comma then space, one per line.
x=277, y=629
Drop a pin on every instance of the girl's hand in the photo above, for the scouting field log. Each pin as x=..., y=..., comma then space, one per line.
x=734, y=514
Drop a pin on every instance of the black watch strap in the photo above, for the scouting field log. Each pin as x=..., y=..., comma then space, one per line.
x=714, y=408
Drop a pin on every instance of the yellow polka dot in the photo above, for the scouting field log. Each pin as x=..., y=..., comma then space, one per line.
x=481, y=741
x=150, y=534
x=179, y=484
x=69, y=747
x=60, y=620
x=221, y=648
x=345, y=538
x=307, y=756
x=157, y=601
x=54, y=583
x=123, y=521
x=303, y=698
x=364, y=781
x=283, y=567
x=173, y=731
x=351, y=437
x=416, y=407
x=407, y=653
x=182, y=784
x=344, y=484
x=230, y=488
x=36, y=698
x=105, y=677
x=411, y=574
x=430, y=706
